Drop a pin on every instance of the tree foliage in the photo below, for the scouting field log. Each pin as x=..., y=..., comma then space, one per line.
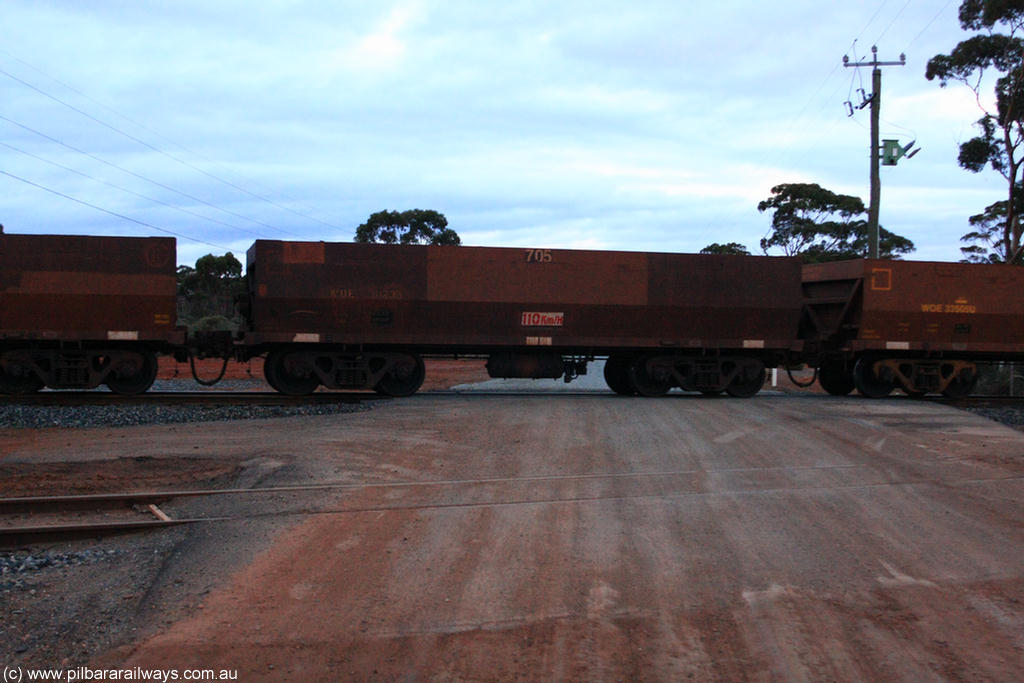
x=1000, y=142
x=985, y=240
x=206, y=293
x=819, y=225
x=415, y=226
x=730, y=249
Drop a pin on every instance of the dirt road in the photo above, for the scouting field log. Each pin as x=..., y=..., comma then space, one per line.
x=589, y=538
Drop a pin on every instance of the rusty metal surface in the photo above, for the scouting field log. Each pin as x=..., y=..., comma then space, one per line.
x=62, y=287
x=472, y=297
x=927, y=306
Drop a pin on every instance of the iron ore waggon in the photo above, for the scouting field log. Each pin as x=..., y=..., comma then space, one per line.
x=922, y=327
x=78, y=312
x=346, y=315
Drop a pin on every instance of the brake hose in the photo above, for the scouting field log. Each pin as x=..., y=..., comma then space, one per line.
x=207, y=383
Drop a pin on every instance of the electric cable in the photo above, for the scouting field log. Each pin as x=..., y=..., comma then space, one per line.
x=157, y=134
x=133, y=174
x=148, y=146
x=112, y=213
x=126, y=190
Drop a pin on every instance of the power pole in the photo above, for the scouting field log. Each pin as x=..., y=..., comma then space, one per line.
x=876, y=104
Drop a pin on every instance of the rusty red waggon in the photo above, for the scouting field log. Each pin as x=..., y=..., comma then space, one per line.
x=923, y=327
x=348, y=315
x=79, y=311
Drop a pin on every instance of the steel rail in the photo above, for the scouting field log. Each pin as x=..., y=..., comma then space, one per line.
x=20, y=535
x=14, y=535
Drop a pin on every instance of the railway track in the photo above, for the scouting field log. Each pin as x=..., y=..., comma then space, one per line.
x=31, y=519
x=56, y=518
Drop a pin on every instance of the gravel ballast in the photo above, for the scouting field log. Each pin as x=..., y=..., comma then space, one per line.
x=37, y=417
x=126, y=415
x=1011, y=416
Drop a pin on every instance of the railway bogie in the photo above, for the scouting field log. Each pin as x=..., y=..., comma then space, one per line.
x=124, y=370
x=17, y=375
x=298, y=371
x=654, y=374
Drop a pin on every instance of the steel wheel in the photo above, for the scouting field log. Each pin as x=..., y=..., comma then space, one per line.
x=18, y=379
x=869, y=384
x=747, y=382
x=288, y=373
x=616, y=375
x=959, y=387
x=404, y=378
x=834, y=378
x=133, y=372
x=645, y=382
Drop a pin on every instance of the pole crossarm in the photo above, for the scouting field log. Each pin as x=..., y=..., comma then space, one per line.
x=848, y=63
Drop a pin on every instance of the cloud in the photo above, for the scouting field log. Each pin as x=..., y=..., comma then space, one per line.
x=656, y=125
x=384, y=47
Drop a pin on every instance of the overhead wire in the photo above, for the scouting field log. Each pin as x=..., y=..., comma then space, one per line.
x=826, y=102
x=871, y=20
x=108, y=211
x=897, y=16
x=161, y=137
x=132, y=173
x=856, y=72
x=835, y=68
x=928, y=25
x=128, y=191
x=148, y=146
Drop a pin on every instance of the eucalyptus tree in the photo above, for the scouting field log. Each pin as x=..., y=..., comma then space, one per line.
x=817, y=224
x=997, y=50
x=415, y=226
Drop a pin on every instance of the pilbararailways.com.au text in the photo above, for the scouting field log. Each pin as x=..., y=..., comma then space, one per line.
x=83, y=673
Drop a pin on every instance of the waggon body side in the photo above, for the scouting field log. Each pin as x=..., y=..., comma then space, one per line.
x=78, y=311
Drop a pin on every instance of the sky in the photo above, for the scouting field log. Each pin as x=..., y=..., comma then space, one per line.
x=649, y=125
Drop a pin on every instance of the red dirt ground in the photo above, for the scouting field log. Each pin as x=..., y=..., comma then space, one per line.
x=787, y=538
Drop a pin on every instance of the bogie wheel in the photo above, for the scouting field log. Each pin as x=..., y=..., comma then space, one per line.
x=19, y=380
x=747, y=382
x=404, y=378
x=616, y=375
x=868, y=383
x=133, y=373
x=835, y=379
x=645, y=382
x=961, y=387
x=289, y=374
